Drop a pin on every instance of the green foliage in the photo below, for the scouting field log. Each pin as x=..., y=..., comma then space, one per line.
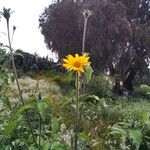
x=3, y=55
x=64, y=81
x=88, y=73
x=93, y=99
x=144, y=90
x=9, y=128
x=130, y=134
x=32, y=87
x=101, y=86
x=55, y=125
x=106, y=121
x=85, y=136
x=125, y=108
x=42, y=107
x=49, y=110
x=6, y=78
x=143, y=78
x=57, y=146
x=136, y=136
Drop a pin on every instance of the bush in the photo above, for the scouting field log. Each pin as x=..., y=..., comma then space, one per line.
x=32, y=87
x=144, y=90
x=63, y=80
x=101, y=86
x=143, y=78
x=130, y=134
x=126, y=108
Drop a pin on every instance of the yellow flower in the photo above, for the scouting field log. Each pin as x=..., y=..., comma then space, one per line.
x=76, y=63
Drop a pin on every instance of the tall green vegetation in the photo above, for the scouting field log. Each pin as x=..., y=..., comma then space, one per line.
x=6, y=14
x=38, y=114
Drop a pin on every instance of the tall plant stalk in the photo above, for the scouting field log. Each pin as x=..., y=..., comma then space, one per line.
x=40, y=119
x=77, y=64
x=40, y=129
x=84, y=33
x=6, y=15
x=86, y=15
x=77, y=114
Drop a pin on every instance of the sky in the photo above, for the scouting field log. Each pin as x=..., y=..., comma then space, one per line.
x=27, y=36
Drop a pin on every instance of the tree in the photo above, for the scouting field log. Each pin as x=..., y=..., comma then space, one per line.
x=62, y=26
x=138, y=45
x=117, y=34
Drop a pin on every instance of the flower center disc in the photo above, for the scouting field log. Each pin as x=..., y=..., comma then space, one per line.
x=77, y=64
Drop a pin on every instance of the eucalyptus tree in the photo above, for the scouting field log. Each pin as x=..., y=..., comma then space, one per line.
x=135, y=59
x=62, y=26
x=117, y=35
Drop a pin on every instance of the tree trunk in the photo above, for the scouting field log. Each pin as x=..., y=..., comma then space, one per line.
x=128, y=82
x=111, y=69
x=130, y=75
x=117, y=89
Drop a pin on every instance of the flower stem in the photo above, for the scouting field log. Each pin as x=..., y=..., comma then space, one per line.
x=40, y=130
x=83, y=48
x=77, y=114
x=84, y=34
x=18, y=86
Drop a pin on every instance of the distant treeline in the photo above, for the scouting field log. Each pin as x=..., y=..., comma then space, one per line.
x=28, y=62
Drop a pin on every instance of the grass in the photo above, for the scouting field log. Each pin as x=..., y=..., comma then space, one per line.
x=62, y=84
x=59, y=88
x=127, y=108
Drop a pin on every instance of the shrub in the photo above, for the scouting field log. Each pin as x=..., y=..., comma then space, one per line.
x=101, y=86
x=63, y=80
x=144, y=90
x=32, y=87
x=130, y=134
x=143, y=78
x=126, y=108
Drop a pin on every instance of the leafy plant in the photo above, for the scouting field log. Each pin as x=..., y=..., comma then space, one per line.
x=101, y=86
x=131, y=134
x=144, y=90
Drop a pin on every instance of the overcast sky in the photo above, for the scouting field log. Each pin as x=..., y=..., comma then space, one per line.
x=27, y=35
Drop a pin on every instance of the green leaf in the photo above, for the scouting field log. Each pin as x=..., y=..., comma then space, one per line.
x=118, y=131
x=5, y=101
x=103, y=103
x=85, y=136
x=50, y=104
x=55, y=125
x=88, y=73
x=89, y=98
x=66, y=104
x=94, y=100
x=10, y=127
x=46, y=146
x=22, y=109
x=12, y=124
x=145, y=116
x=42, y=107
x=136, y=136
x=148, y=124
x=57, y=146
